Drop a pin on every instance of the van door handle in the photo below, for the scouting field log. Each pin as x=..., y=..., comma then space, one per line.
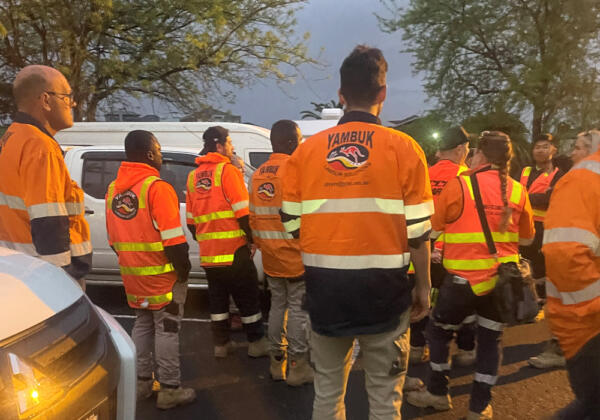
x=89, y=211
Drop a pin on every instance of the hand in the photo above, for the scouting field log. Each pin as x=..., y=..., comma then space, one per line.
x=420, y=304
x=252, y=248
x=436, y=256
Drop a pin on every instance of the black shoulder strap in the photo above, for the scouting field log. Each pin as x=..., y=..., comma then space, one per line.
x=484, y=223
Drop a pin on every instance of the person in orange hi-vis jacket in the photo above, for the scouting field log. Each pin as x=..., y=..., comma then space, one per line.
x=282, y=262
x=41, y=208
x=144, y=229
x=358, y=196
x=218, y=216
x=571, y=244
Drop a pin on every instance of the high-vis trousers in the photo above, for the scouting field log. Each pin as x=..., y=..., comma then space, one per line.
x=156, y=338
x=287, y=295
x=385, y=361
x=240, y=280
x=457, y=302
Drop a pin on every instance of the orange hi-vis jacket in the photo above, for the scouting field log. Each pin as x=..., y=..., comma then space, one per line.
x=142, y=218
x=540, y=185
x=216, y=198
x=465, y=251
x=572, y=251
x=41, y=208
x=357, y=193
x=280, y=251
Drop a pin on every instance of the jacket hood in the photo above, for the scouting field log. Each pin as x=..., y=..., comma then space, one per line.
x=212, y=157
x=130, y=173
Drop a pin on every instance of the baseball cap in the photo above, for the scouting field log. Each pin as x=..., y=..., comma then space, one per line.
x=213, y=135
x=452, y=137
x=545, y=137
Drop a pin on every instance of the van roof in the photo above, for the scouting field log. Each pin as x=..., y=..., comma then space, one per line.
x=165, y=126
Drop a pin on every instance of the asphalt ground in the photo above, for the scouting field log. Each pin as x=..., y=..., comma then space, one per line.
x=240, y=387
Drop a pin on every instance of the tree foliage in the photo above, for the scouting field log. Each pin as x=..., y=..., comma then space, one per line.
x=184, y=52
x=423, y=131
x=315, y=113
x=529, y=57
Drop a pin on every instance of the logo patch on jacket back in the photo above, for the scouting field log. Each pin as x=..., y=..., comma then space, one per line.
x=203, y=184
x=347, y=157
x=125, y=205
x=266, y=191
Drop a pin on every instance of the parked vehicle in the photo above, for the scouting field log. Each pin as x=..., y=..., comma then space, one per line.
x=61, y=356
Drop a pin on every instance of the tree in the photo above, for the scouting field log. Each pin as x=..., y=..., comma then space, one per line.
x=426, y=131
x=183, y=52
x=318, y=107
x=522, y=56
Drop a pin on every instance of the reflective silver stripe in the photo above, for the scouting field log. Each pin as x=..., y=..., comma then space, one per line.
x=219, y=317
x=252, y=318
x=435, y=234
x=292, y=208
x=171, y=233
x=590, y=165
x=12, y=201
x=240, y=205
x=448, y=327
x=573, y=234
x=265, y=210
x=74, y=209
x=439, y=367
x=353, y=205
x=572, y=298
x=80, y=249
x=489, y=324
x=356, y=262
x=47, y=210
x=486, y=379
x=418, y=229
x=271, y=234
x=28, y=249
x=470, y=319
x=292, y=225
x=60, y=260
x=418, y=211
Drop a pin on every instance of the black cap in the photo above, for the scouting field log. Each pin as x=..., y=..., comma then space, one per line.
x=452, y=137
x=545, y=137
x=212, y=136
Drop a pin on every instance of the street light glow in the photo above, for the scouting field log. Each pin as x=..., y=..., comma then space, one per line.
x=435, y=135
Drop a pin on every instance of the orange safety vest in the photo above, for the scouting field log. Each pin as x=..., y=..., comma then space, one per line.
x=280, y=251
x=572, y=251
x=465, y=251
x=539, y=186
x=211, y=211
x=148, y=275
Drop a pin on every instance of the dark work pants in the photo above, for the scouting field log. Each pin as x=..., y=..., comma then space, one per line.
x=456, y=302
x=534, y=253
x=239, y=280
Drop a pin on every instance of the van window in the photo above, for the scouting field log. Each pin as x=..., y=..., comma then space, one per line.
x=258, y=158
x=100, y=169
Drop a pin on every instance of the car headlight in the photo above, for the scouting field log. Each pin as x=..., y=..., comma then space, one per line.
x=33, y=390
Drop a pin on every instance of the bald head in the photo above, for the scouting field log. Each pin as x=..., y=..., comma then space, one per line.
x=34, y=80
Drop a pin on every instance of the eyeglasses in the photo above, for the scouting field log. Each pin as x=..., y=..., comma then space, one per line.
x=68, y=98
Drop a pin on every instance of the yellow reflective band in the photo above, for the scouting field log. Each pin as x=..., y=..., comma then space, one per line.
x=217, y=258
x=218, y=173
x=484, y=286
x=462, y=169
x=191, y=177
x=225, y=214
x=144, y=191
x=479, y=237
x=469, y=186
x=138, y=246
x=240, y=205
x=527, y=171
x=111, y=193
x=515, y=195
x=292, y=225
x=539, y=213
x=220, y=235
x=151, y=270
x=152, y=300
x=478, y=264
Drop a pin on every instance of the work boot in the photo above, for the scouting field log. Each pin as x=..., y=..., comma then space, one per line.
x=413, y=384
x=300, y=371
x=486, y=414
x=551, y=357
x=465, y=358
x=418, y=355
x=222, y=351
x=278, y=366
x=259, y=348
x=172, y=397
x=425, y=399
x=144, y=388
